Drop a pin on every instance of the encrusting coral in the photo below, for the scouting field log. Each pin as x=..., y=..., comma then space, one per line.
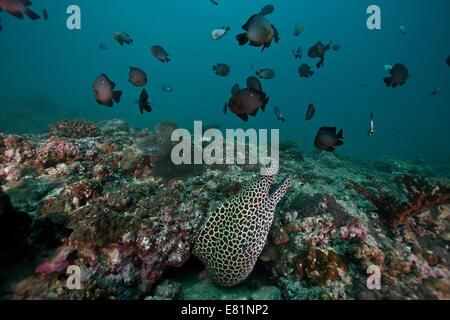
x=421, y=196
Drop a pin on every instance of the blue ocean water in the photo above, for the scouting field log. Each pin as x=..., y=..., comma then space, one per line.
x=47, y=71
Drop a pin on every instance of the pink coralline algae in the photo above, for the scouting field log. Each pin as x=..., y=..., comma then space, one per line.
x=58, y=147
x=56, y=265
x=353, y=229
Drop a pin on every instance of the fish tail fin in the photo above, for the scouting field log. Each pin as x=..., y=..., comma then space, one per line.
x=147, y=107
x=388, y=81
x=116, y=96
x=242, y=38
x=282, y=119
x=340, y=134
x=32, y=15
x=243, y=116
x=228, y=28
x=257, y=73
x=167, y=60
x=311, y=72
x=263, y=106
x=320, y=64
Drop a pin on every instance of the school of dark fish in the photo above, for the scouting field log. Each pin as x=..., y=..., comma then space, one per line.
x=258, y=32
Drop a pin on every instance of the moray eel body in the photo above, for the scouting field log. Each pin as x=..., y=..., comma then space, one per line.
x=232, y=238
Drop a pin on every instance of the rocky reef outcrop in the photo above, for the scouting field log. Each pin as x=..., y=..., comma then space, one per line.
x=106, y=199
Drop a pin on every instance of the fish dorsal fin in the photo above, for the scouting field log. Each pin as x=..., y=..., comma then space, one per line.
x=247, y=24
x=254, y=83
x=235, y=89
x=208, y=232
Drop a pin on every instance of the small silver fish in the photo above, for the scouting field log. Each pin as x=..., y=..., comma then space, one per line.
x=435, y=91
x=278, y=114
x=218, y=33
x=167, y=88
x=371, y=131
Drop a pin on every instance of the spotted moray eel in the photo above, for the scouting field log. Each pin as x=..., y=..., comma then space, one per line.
x=232, y=238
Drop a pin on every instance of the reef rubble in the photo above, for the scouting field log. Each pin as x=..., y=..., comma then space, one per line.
x=106, y=199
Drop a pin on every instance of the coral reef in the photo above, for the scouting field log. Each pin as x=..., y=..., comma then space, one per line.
x=104, y=198
x=74, y=129
x=420, y=194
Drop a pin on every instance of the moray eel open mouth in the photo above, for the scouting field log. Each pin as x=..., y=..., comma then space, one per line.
x=273, y=189
x=233, y=236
